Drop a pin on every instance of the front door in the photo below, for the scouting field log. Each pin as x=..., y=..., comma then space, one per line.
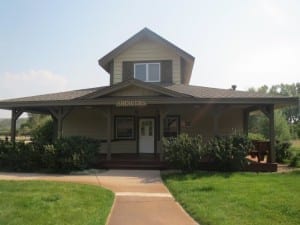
x=146, y=135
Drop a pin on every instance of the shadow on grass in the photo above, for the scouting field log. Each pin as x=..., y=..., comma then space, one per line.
x=197, y=175
x=181, y=176
x=203, y=189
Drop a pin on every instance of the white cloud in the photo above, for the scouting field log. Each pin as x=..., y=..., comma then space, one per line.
x=274, y=11
x=271, y=9
x=282, y=59
x=29, y=83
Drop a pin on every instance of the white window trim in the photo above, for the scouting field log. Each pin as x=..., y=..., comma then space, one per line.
x=147, y=75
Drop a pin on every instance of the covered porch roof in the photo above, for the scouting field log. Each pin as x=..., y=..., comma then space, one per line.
x=164, y=94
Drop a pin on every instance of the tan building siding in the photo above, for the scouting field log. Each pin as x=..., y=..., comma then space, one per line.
x=134, y=91
x=231, y=121
x=194, y=120
x=147, y=50
x=92, y=123
x=199, y=120
x=85, y=122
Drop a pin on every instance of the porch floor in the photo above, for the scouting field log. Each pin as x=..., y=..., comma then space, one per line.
x=260, y=166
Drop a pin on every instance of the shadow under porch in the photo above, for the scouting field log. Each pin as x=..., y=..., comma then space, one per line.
x=131, y=161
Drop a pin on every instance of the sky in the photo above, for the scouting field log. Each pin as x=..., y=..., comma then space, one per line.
x=52, y=45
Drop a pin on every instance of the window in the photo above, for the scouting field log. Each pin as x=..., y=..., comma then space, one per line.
x=171, y=126
x=148, y=72
x=124, y=127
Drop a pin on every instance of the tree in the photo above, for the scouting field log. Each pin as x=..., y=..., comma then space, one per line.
x=292, y=90
x=287, y=118
x=32, y=123
x=259, y=124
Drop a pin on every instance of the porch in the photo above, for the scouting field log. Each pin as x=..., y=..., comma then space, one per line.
x=132, y=161
x=128, y=133
x=124, y=130
x=153, y=162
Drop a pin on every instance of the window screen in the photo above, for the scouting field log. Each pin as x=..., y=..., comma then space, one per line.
x=124, y=127
x=140, y=71
x=153, y=72
x=148, y=72
x=171, y=126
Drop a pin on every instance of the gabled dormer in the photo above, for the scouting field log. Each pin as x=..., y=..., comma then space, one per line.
x=150, y=58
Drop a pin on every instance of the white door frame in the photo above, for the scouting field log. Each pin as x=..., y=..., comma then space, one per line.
x=147, y=135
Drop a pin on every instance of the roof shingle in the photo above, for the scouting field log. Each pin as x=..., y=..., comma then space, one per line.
x=60, y=96
x=207, y=92
x=197, y=92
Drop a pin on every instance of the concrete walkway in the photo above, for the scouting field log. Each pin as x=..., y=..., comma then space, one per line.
x=141, y=197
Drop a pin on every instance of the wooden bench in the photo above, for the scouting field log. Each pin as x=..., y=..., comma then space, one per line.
x=260, y=150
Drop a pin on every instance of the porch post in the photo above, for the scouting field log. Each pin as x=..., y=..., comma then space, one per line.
x=272, y=153
x=15, y=114
x=59, y=125
x=269, y=112
x=108, y=116
x=59, y=114
x=246, y=122
x=162, y=114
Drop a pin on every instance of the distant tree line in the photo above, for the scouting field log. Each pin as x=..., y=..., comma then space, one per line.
x=287, y=119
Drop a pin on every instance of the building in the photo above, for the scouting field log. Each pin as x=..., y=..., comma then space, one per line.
x=149, y=97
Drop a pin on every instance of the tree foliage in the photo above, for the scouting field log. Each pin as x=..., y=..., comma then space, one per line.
x=287, y=120
x=33, y=122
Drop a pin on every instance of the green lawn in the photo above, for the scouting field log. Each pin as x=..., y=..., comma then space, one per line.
x=238, y=198
x=42, y=203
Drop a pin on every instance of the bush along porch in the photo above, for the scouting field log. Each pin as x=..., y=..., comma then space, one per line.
x=227, y=153
x=45, y=154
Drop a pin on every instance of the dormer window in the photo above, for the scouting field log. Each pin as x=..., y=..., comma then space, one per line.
x=148, y=72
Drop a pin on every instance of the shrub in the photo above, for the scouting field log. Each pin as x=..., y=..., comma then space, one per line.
x=226, y=153
x=229, y=153
x=44, y=134
x=48, y=157
x=282, y=151
x=64, y=154
x=256, y=137
x=5, y=148
x=74, y=152
x=183, y=152
x=295, y=160
x=21, y=157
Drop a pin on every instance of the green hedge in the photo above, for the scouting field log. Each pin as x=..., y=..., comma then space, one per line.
x=64, y=154
x=225, y=153
x=229, y=152
x=282, y=150
x=22, y=157
x=295, y=160
x=183, y=152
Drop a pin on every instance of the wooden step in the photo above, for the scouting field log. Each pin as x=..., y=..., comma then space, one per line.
x=126, y=164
